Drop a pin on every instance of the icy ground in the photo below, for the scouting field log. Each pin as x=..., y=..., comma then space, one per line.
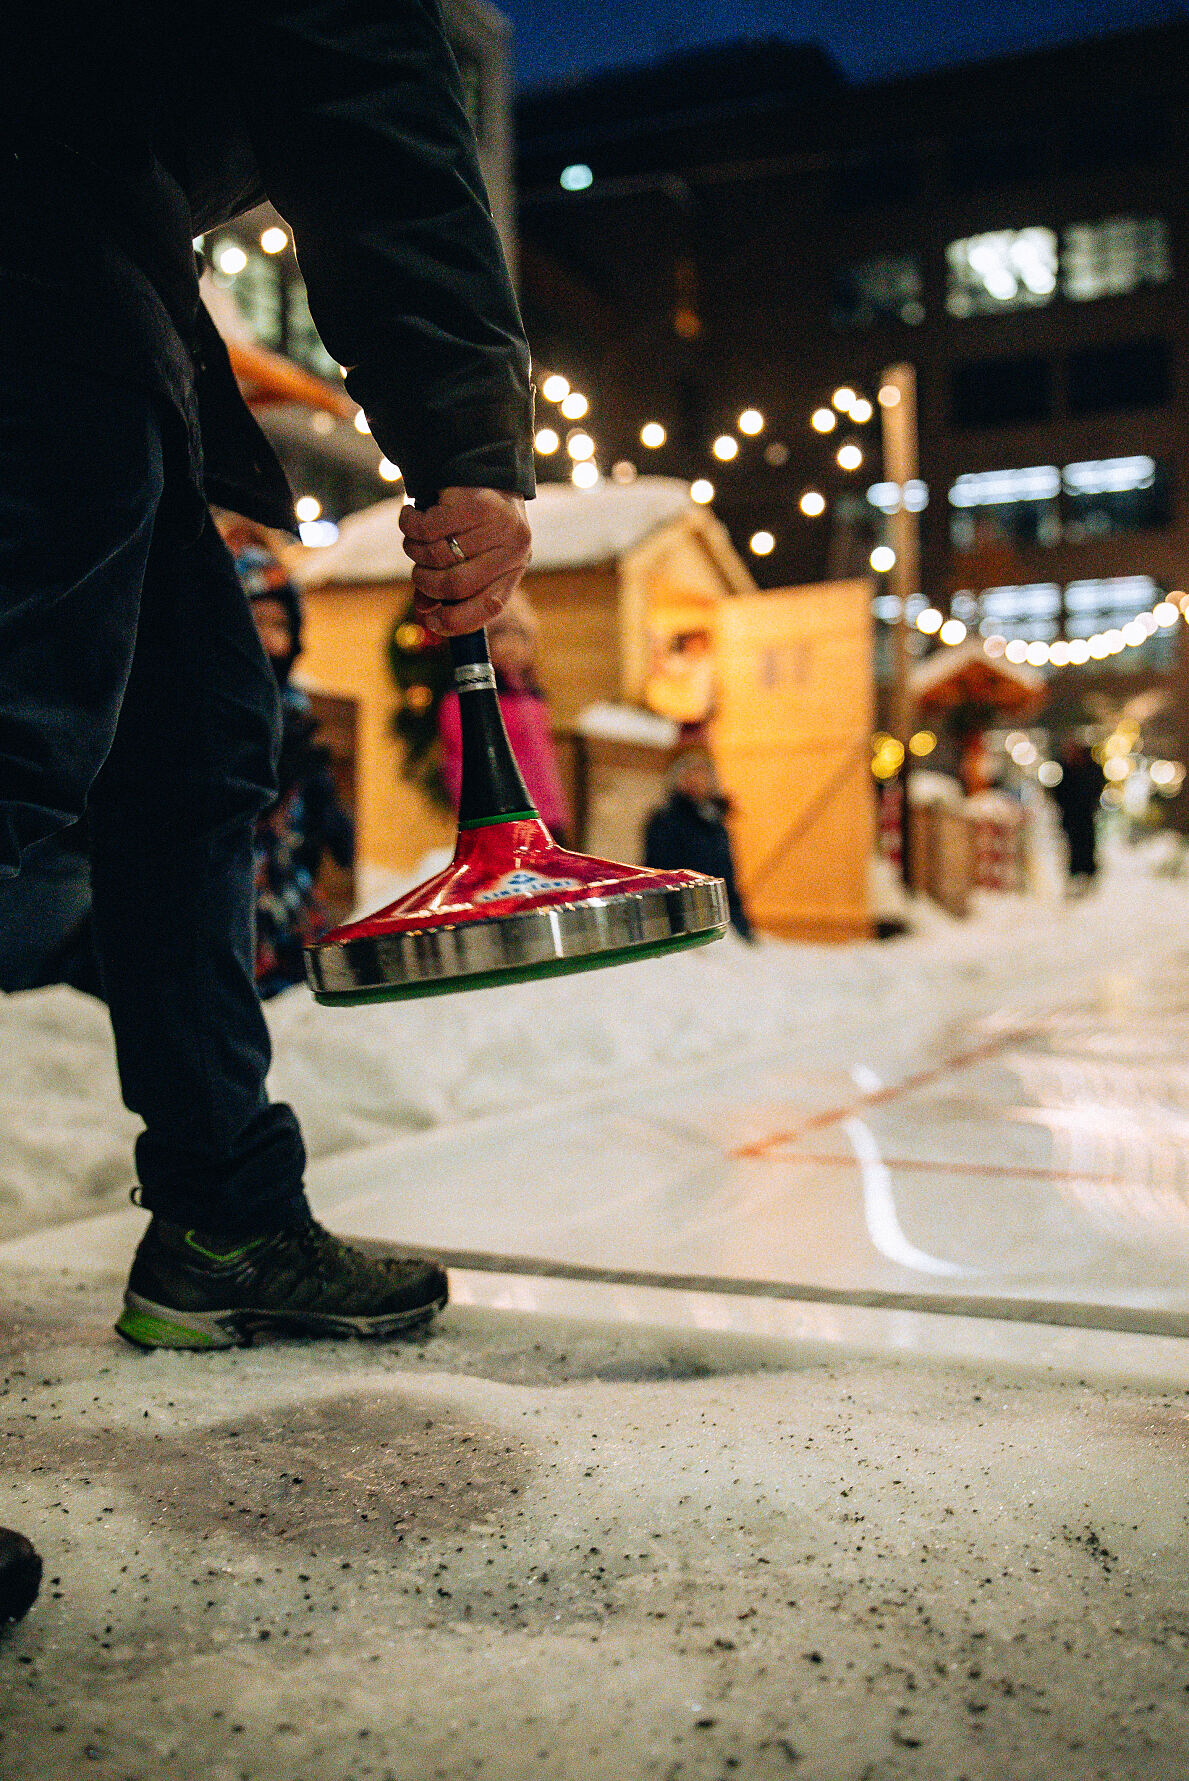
x=362, y=1076
x=606, y=1530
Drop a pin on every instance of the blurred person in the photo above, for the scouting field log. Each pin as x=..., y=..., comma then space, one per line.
x=1077, y=795
x=512, y=639
x=133, y=686
x=307, y=820
x=689, y=832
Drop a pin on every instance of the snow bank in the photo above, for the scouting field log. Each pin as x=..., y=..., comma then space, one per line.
x=362, y=1076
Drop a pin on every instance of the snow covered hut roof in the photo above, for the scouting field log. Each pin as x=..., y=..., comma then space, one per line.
x=572, y=529
x=967, y=671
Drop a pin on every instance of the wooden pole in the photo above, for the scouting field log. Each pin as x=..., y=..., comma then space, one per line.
x=898, y=418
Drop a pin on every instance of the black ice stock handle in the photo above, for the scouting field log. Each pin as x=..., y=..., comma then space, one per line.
x=493, y=787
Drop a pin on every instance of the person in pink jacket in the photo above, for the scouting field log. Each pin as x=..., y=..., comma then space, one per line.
x=512, y=641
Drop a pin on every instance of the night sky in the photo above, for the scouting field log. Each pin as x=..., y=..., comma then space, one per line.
x=868, y=38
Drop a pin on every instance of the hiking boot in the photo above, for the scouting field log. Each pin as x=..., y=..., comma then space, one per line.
x=189, y=1289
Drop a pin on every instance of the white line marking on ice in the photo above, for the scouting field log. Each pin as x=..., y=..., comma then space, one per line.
x=879, y=1209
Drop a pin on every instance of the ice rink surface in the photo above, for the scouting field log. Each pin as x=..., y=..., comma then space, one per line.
x=698, y=1476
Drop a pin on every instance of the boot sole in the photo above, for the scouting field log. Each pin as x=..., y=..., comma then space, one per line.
x=146, y=1325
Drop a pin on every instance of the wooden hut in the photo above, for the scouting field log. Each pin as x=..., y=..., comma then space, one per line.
x=643, y=603
x=607, y=563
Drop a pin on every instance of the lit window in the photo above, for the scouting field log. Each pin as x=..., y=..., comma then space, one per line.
x=1015, y=507
x=990, y=488
x=887, y=495
x=1107, y=495
x=1106, y=603
x=1110, y=258
x=1006, y=269
x=1028, y=613
x=888, y=288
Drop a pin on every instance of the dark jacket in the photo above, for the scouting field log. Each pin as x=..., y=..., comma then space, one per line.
x=691, y=836
x=127, y=129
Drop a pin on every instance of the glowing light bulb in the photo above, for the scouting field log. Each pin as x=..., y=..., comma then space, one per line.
x=389, y=471
x=889, y=396
x=882, y=558
x=849, y=457
x=546, y=441
x=861, y=411
x=585, y=475
x=823, y=420
x=576, y=177
x=952, y=632
x=701, y=491
x=1017, y=650
x=1037, y=654
x=361, y=423
x=725, y=447
x=1059, y=653
x=653, y=435
x=812, y=504
x=1079, y=651
x=751, y=421
x=574, y=406
x=844, y=398
x=274, y=241
x=231, y=260
x=930, y=621
x=761, y=544
x=995, y=645
x=923, y=742
x=555, y=387
x=307, y=507
x=580, y=447
x=1165, y=613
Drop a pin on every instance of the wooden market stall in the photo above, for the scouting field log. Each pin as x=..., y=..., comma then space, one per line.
x=603, y=560
x=791, y=737
x=981, y=840
x=644, y=607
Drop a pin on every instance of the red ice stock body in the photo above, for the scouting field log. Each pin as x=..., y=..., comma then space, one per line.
x=511, y=904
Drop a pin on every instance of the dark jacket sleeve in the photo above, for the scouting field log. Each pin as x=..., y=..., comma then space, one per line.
x=356, y=115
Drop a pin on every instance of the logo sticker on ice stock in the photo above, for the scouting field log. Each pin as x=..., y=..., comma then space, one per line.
x=524, y=884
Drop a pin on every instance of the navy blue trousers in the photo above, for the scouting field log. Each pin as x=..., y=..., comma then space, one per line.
x=134, y=689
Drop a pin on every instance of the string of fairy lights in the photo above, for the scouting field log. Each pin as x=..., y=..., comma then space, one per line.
x=580, y=446
x=847, y=407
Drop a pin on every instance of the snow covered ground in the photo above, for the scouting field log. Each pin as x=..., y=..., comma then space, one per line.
x=607, y=1530
x=363, y=1076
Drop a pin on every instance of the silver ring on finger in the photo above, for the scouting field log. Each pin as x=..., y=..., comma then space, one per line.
x=456, y=550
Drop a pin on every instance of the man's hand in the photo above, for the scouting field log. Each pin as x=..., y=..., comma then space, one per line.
x=455, y=593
